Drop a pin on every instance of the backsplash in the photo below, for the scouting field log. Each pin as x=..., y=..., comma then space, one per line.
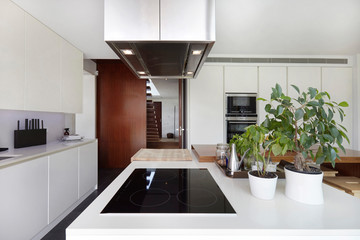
x=53, y=122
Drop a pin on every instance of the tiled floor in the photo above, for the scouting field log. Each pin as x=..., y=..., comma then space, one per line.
x=105, y=177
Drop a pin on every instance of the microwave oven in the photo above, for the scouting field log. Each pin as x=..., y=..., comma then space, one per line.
x=240, y=104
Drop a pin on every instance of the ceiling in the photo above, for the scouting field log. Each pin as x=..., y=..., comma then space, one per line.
x=243, y=27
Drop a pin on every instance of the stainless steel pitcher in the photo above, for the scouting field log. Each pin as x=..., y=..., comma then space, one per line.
x=234, y=163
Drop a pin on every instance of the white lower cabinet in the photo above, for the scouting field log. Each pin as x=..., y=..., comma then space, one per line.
x=24, y=199
x=36, y=192
x=87, y=168
x=63, y=178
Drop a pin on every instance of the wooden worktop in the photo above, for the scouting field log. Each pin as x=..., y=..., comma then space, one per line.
x=206, y=153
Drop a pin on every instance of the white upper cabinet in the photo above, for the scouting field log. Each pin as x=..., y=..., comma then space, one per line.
x=71, y=78
x=268, y=78
x=42, y=67
x=303, y=77
x=39, y=70
x=207, y=106
x=338, y=83
x=241, y=79
x=12, y=56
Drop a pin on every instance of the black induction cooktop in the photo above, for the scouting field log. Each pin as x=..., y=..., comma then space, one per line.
x=160, y=190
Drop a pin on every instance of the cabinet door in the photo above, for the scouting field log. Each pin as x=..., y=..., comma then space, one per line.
x=12, y=57
x=42, y=67
x=207, y=106
x=88, y=160
x=71, y=78
x=303, y=77
x=241, y=79
x=63, y=181
x=24, y=199
x=268, y=78
x=338, y=83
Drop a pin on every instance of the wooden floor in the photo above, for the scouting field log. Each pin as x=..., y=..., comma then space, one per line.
x=164, y=143
x=105, y=177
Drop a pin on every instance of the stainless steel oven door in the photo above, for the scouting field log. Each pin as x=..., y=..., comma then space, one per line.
x=237, y=126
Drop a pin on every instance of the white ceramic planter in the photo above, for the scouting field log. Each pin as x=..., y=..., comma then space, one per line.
x=303, y=187
x=263, y=188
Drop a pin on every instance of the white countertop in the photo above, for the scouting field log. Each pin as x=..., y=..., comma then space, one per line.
x=280, y=218
x=28, y=153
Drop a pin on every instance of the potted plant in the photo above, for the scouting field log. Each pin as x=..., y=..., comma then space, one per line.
x=262, y=183
x=298, y=124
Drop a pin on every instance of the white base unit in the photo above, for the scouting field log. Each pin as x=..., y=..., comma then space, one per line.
x=63, y=178
x=88, y=166
x=24, y=199
x=36, y=193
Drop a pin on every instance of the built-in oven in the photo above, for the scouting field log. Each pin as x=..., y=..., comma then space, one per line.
x=240, y=113
x=237, y=125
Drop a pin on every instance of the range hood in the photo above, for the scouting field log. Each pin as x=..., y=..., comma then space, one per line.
x=161, y=39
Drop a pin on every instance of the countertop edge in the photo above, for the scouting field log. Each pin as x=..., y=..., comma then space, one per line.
x=30, y=153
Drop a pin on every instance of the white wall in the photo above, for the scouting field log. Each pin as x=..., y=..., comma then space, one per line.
x=53, y=122
x=85, y=123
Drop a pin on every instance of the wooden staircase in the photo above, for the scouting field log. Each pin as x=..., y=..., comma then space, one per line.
x=152, y=124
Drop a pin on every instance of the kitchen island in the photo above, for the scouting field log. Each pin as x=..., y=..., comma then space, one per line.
x=280, y=218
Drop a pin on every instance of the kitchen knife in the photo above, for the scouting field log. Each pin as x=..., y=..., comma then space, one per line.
x=42, y=124
x=32, y=124
x=26, y=124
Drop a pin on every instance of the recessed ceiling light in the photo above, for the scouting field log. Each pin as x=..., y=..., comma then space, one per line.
x=141, y=72
x=196, y=52
x=189, y=73
x=127, y=51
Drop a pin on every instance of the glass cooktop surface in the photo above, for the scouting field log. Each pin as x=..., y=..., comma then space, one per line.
x=160, y=190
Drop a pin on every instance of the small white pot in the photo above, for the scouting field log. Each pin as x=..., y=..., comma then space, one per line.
x=263, y=188
x=304, y=187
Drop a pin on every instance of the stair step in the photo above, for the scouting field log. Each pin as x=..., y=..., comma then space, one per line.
x=152, y=130
x=151, y=114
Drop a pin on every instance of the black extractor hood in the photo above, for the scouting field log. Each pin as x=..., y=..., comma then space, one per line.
x=161, y=39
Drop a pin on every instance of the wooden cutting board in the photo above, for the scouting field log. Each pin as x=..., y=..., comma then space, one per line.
x=147, y=154
x=350, y=185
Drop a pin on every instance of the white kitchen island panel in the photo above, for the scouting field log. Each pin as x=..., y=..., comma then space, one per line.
x=280, y=218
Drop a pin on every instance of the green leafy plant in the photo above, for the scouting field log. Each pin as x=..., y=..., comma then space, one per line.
x=296, y=124
x=251, y=143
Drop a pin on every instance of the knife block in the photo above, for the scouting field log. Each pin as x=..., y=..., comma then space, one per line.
x=27, y=138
